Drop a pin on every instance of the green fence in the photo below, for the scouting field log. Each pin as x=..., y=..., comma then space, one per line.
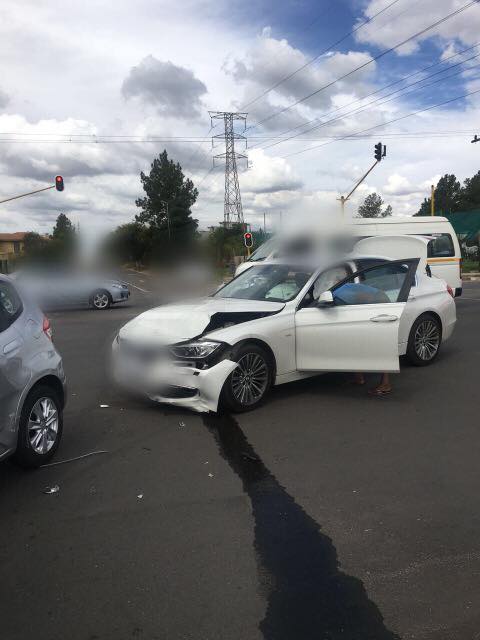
x=466, y=225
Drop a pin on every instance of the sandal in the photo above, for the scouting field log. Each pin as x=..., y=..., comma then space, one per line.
x=379, y=392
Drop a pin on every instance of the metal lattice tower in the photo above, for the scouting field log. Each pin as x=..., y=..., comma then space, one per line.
x=233, y=212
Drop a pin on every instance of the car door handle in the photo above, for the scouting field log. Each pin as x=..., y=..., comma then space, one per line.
x=384, y=318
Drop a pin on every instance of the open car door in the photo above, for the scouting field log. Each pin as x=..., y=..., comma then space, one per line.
x=357, y=329
x=395, y=248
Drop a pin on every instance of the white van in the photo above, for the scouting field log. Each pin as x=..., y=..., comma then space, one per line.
x=444, y=256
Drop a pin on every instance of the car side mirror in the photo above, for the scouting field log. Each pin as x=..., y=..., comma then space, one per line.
x=325, y=299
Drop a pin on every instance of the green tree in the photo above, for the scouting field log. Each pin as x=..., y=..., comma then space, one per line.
x=372, y=207
x=448, y=196
x=63, y=230
x=128, y=243
x=470, y=193
x=225, y=243
x=167, y=191
x=34, y=243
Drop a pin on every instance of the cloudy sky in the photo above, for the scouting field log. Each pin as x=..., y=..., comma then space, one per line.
x=85, y=86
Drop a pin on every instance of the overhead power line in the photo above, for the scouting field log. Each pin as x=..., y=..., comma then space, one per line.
x=323, y=52
x=366, y=64
x=320, y=137
x=373, y=93
x=384, y=124
x=382, y=100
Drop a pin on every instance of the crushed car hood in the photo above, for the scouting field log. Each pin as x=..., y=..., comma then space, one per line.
x=173, y=323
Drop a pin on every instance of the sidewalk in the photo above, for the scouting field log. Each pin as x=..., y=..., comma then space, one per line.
x=471, y=275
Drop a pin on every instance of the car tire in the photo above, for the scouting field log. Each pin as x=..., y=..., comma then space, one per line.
x=37, y=415
x=100, y=300
x=248, y=384
x=425, y=340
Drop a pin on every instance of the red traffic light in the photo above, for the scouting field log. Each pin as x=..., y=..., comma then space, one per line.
x=248, y=239
x=59, y=183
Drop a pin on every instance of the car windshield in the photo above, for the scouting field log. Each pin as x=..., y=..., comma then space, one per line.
x=272, y=283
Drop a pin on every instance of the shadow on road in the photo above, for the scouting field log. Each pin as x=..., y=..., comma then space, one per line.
x=308, y=596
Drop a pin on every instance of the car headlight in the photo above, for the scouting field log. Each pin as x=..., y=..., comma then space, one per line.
x=195, y=350
x=117, y=286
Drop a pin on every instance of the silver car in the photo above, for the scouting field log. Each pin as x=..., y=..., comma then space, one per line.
x=53, y=289
x=32, y=381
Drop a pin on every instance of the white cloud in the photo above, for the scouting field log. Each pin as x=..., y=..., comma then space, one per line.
x=269, y=175
x=398, y=185
x=270, y=59
x=395, y=26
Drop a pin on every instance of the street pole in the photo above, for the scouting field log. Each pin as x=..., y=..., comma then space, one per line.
x=264, y=227
x=432, y=201
x=343, y=199
x=30, y=193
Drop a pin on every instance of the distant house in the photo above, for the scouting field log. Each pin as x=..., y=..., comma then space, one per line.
x=11, y=246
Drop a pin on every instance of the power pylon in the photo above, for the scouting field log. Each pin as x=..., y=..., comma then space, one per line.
x=233, y=212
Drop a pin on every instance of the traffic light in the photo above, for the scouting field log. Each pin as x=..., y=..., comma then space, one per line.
x=248, y=239
x=59, y=183
x=380, y=151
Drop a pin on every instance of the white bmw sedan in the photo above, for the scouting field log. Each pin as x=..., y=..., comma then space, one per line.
x=279, y=322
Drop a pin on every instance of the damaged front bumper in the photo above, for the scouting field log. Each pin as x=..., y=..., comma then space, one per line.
x=182, y=386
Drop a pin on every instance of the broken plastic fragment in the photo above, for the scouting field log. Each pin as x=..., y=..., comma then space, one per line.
x=104, y=406
x=210, y=475
x=54, y=489
x=140, y=496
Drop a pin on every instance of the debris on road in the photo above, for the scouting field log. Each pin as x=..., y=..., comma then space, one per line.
x=104, y=406
x=140, y=496
x=181, y=424
x=249, y=457
x=85, y=455
x=49, y=490
x=210, y=475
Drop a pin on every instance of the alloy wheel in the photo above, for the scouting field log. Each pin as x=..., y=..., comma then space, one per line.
x=43, y=425
x=250, y=379
x=427, y=339
x=100, y=300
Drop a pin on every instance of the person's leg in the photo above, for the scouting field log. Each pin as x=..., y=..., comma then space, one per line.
x=358, y=378
x=384, y=387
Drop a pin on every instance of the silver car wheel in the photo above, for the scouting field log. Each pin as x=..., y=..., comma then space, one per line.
x=43, y=425
x=100, y=300
x=250, y=379
x=427, y=339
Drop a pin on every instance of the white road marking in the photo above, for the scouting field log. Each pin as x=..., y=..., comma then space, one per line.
x=139, y=288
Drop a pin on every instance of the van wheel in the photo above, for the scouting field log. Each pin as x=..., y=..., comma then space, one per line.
x=424, y=340
x=248, y=384
x=40, y=428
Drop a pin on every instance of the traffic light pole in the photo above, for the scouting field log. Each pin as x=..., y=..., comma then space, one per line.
x=343, y=199
x=30, y=193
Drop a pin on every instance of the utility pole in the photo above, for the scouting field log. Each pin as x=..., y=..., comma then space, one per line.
x=232, y=208
x=432, y=200
x=380, y=152
x=264, y=226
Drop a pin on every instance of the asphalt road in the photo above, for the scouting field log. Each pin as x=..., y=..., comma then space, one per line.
x=326, y=514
